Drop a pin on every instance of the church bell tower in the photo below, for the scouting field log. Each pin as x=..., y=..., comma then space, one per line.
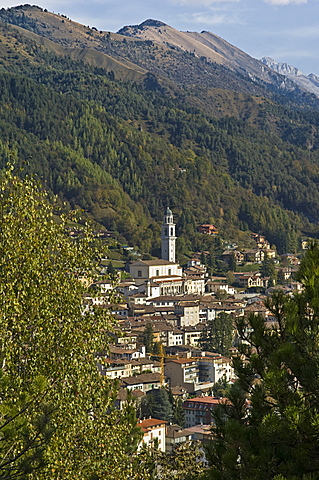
x=168, y=237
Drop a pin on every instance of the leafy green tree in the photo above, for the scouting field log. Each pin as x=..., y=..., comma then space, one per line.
x=57, y=418
x=269, y=428
x=218, y=335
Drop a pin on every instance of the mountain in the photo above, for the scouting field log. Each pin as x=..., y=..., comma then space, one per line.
x=308, y=82
x=184, y=58
x=123, y=124
x=204, y=45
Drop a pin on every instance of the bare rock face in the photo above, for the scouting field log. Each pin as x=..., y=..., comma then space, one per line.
x=308, y=82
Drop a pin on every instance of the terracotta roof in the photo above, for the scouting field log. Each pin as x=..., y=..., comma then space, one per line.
x=150, y=423
x=205, y=401
x=211, y=400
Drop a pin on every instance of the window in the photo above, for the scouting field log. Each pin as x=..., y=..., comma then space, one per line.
x=169, y=271
x=139, y=273
x=157, y=273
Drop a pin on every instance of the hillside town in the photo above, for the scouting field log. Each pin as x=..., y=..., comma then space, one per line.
x=165, y=339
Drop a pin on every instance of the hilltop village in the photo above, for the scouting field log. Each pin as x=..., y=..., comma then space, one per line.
x=176, y=330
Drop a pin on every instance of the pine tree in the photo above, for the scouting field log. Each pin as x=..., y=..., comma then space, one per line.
x=218, y=335
x=269, y=427
x=148, y=338
x=157, y=405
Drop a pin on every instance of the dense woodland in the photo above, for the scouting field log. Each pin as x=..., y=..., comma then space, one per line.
x=123, y=151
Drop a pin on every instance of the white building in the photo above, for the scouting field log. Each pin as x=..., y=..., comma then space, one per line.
x=143, y=270
x=168, y=237
x=154, y=432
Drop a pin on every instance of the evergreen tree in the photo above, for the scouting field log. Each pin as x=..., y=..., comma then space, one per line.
x=269, y=428
x=148, y=338
x=268, y=269
x=178, y=412
x=218, y=335
x=157, y=405
x=111, y=271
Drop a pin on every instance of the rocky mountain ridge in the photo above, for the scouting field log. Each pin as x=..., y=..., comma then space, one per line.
x=186, y=58
x=308, y=82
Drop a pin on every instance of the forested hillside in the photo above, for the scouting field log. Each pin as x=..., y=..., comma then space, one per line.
x=123, y=151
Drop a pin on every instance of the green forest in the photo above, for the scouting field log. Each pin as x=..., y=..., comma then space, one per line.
x=123, y=151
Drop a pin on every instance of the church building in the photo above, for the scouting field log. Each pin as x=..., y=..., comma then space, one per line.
x=143, y=270
x=168, y=237
x=164, y=276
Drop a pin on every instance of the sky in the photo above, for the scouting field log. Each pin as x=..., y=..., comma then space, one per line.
x=285, y=30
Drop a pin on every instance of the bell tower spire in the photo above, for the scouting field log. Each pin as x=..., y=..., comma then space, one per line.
x=168, y=237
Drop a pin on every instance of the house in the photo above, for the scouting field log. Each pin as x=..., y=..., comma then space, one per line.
x=238, y=256
x=214, y=287
x=203, y=433
x=163, y=300
x=195, y=271
x=198, y=410
x=176, y=435
x=261, y=241
x=125, y=339
x=192, y=334
x=122, y=397
x=154, y=433
x=194, y=262
x=194, y=284
x=207, y=229
x=115, y=368
x=251, y=280
x=126, y=368
x=207, y=311
x=143, y=382
x=183, y=372
x=254, y=255
x=103, y=286
x=125, y=353
x=187, y=313
x=214, y=367
x=256, y=308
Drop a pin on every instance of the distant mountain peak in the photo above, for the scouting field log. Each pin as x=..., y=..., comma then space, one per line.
x=152, y=23
x=308, y=82
x=135, y=28
x=282, y=68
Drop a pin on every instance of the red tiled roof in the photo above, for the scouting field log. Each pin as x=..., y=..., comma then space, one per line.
x=149, y=423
